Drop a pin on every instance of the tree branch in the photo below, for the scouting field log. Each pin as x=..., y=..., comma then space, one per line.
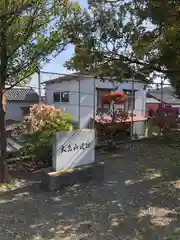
x=16, y=12
x=138, y=62
x=26, y=76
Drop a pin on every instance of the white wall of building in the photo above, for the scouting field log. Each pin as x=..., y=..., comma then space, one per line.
x=14, y=111
x=140, y=96
x=175, y=106
x=71, y=106
x=87, y=98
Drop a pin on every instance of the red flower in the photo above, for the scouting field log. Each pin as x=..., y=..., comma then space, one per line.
x=118, y=98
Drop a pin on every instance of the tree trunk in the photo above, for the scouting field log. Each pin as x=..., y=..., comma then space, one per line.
x=4, y=176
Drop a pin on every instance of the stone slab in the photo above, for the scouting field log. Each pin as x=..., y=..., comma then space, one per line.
x=55, y=180
x=73, y=149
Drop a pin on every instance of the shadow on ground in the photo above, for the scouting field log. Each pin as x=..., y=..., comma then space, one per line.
x=138, y=199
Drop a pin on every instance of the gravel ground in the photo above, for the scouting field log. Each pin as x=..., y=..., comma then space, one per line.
x=137, y=199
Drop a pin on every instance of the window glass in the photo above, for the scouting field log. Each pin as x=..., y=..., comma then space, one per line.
x=56, y=97
x=64, y=96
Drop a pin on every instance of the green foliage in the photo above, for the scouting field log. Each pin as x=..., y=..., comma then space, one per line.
x=39, y=127
x=123, y=39
x=104, y=44
x=30, y=33
x=38, y=147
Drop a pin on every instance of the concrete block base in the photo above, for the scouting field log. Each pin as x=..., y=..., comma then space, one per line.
x=55, y=180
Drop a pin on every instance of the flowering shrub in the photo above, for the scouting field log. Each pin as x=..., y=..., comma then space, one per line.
x=39, y=126
x=117, y=98
x=164, y=119
x=112, y=125
x=44, y=117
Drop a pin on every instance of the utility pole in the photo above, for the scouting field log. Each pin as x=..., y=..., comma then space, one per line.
x=132, y=110
x=79, y=104
x=162, y=91
x=39, y=85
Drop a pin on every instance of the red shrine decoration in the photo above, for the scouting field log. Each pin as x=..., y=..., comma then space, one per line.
x=117, y=98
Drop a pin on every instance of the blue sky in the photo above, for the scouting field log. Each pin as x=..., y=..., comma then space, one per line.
x=56, y=65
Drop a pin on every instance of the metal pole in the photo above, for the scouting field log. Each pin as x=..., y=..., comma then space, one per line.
x=132, y=110
x=161, y=91
x=79, y=103
x=94, y=104
x=39, y=85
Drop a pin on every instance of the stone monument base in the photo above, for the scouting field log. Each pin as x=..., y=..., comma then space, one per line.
x=55, y=180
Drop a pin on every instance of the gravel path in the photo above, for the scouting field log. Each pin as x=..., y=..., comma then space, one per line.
x=138, y=199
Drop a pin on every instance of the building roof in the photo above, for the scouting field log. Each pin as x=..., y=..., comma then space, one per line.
x=77, y=76
x=22, y=94
x=152, y=100
x=167, y=96
x=67, y=77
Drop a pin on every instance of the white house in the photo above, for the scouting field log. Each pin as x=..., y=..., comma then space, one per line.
x=18, y=101
x=81, y=94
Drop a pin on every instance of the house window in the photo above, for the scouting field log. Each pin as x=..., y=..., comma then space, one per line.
x=56, y=96
x=64, y=96
x=61, y=96
x=100, y=93
x=130, y=105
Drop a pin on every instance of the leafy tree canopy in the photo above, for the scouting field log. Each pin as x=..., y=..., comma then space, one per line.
x=30, y=31
x=129, y=38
